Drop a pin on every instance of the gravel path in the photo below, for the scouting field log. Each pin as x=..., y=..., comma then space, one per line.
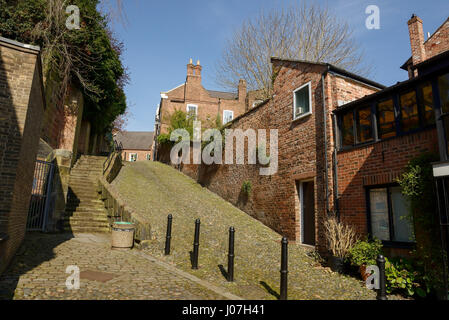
x=156, y=190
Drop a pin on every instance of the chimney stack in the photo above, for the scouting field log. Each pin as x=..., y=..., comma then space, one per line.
x=190, y=68
x=198, y=68
x=415, y=28
x=242, y=90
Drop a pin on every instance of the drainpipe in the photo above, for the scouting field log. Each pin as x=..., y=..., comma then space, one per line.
x=325, y=140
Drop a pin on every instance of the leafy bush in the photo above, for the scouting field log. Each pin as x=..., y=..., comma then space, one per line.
x=247, y=187
x=418, y=186
x=340, y=237
x=365, y=252
x=402, y=277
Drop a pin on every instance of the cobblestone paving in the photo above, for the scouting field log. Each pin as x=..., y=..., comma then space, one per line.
x=39, y=272
x=159, y=190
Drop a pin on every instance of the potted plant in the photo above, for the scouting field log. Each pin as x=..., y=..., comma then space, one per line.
x=364, y=253
x=340, y=238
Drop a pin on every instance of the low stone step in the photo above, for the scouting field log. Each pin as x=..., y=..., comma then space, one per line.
x=77, y=229
x=78, y=219
x=85, y=209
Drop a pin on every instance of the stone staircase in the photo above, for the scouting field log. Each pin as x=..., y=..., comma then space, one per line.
x=85, y=211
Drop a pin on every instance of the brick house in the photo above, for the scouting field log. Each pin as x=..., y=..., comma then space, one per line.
x=137, y=146
x=378, y=134
x=293, y=201
x=22, y=106
x=343, y=140
x=205, y=105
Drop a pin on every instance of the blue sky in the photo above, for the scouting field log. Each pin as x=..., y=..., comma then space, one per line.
x=161, y=36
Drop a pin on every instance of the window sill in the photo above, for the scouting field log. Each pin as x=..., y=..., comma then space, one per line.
x=397, y=244
x=302, y=117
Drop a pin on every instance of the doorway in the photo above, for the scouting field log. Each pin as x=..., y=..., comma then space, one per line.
x=307, y=212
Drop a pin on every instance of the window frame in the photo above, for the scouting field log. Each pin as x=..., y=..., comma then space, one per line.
x=300, y=116
x=196, y=109
x=131, y=155
x=231, y=111
x=387, y=243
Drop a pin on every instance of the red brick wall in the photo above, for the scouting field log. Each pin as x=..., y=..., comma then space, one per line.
x=192, y=92
x=438, y=42
x=141, y=154
x=274, y=199
x=21, y=111
x=376, y=164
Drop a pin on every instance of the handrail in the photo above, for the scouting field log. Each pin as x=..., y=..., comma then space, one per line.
x=117, y=148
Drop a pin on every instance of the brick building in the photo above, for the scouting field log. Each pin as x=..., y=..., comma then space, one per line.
x=137, y=146
x=293, y=201
x=343, y=140
x=205, y=105
x=22, y=104
x=379, y=134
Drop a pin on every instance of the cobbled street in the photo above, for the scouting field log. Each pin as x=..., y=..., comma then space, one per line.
x=39, y=272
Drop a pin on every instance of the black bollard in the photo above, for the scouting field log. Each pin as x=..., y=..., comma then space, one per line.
x=284, y=269
x=196, y=244
x=231, y=255
x=168, y=236
x=382, y=292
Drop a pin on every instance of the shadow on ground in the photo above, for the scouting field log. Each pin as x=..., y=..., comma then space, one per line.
x=35, y=250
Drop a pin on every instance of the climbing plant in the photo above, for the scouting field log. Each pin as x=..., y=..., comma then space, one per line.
x=417, y=185
x=89, y=57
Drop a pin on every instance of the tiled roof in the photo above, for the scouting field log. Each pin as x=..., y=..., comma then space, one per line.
x=223, y=95
x=135, y=140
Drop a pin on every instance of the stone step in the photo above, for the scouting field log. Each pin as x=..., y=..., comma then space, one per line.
x=86, y=210
x=77, y=229
x=75, y=220
x=86, y=216
x=85, y=223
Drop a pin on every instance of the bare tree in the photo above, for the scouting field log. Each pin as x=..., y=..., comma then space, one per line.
x=304, y=32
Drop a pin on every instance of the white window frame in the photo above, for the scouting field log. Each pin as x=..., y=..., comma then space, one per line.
x=256, y=103
x=231, y=111
x=131, y=156
x=295, y=116
x=196, y=109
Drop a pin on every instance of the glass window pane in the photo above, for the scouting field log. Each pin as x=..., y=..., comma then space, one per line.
x=403, y=228
x=443, y=84
x=446, y=130
x=380, y=225
x=364, y=125
x=409, y=111
x=385, y=114
x=427, y=111
x=347, y=129
x=302, y=101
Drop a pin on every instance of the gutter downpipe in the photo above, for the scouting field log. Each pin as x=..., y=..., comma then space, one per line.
x=323, y=76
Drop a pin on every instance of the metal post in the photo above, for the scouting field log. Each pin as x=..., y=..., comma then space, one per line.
x=196, y=244
x=382, y=292
x=168, y=236
x=284, y=269
x=231, y=255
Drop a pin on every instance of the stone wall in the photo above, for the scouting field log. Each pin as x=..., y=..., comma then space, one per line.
x=22, y=104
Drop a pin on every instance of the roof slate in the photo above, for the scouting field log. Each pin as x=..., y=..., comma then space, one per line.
x=135, y=140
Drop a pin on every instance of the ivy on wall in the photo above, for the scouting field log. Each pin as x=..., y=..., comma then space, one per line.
x=418, y=185
x=89, y=58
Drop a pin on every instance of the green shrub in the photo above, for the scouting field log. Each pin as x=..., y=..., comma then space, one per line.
x=402, y=277
x=246, y=187
x=365, y=252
